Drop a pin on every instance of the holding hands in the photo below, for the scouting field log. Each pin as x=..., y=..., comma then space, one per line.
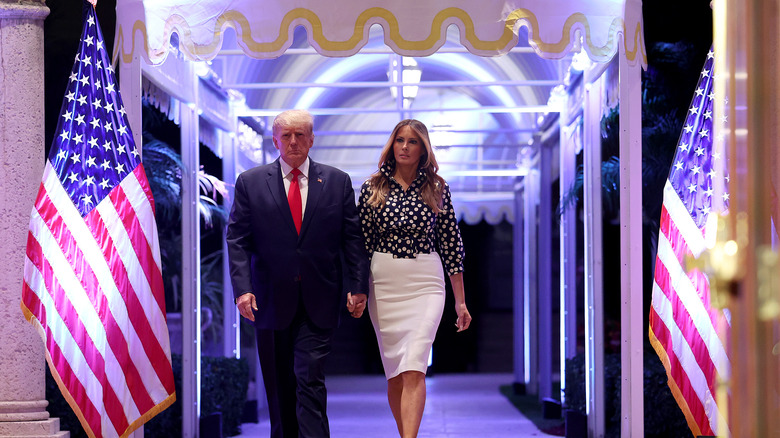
x=356, y=304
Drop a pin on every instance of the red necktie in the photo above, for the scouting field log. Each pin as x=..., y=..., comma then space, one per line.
x=294, y=199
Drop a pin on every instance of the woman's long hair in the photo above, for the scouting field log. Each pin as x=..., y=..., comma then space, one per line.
x=433, y=186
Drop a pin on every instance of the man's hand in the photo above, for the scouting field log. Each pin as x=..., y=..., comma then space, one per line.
x=356, y=304
x=246, y=303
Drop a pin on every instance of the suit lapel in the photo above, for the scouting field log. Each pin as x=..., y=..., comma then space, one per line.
x=316, y=181
x=276, y=187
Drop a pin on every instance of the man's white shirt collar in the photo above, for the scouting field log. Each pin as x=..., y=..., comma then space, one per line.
x=286, y=168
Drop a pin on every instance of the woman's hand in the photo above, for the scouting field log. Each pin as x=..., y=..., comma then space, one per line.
x=464, y=317
x=356, y=304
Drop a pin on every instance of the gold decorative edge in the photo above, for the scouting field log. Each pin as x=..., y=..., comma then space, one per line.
x=163, y=405
x=132, y=427
x=675, y=389
x=29, y=316
x=676, y=392
x=264, y=50
x=598, y=53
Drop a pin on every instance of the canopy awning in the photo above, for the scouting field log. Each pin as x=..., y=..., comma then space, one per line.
x=213, y=30
x=412, y=28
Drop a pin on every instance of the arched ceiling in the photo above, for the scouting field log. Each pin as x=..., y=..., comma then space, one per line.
x=333, y=58
x=482, y=111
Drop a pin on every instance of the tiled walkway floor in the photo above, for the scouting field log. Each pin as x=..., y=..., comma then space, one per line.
x=457, y=406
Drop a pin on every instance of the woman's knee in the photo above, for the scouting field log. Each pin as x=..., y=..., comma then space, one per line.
x=412, y=377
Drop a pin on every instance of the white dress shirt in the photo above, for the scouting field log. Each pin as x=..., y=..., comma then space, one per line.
x=303, y=181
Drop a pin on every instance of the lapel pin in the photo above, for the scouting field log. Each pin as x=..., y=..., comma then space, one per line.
x=319, y=180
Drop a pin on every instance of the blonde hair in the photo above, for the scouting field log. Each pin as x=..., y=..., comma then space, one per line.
x=293, y=117
x=433, y=186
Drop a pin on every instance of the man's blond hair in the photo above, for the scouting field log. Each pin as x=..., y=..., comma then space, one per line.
x=293, y=117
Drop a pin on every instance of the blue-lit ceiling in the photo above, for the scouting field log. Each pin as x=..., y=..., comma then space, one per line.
x=482, y=112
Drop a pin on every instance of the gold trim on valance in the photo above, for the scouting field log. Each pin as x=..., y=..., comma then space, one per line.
x=487, y=28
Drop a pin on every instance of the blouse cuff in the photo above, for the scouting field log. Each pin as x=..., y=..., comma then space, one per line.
x=452, y=270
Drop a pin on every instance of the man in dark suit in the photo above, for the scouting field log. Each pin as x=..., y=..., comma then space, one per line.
x=292, y=224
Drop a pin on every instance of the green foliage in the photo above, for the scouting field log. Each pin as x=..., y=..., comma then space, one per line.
x=529, y=405
x=224, y=390
x=610, y=173
x=574, y=391
x=663, y=418
x=224, y=386
x=165, y=169
x=575, y=388
x=212, y=290
x=665, y=100
x=610, y=190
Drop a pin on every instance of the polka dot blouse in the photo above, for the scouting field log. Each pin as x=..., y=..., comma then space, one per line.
x=407, y=226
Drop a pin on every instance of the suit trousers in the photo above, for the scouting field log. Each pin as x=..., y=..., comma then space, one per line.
x=293, y=365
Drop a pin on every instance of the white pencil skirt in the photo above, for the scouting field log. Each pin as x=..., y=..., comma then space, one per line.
x=405, y=304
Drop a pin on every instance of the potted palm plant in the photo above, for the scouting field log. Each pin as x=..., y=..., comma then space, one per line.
x=164, y=170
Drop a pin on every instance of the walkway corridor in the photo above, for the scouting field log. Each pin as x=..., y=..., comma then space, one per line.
x=458, y=406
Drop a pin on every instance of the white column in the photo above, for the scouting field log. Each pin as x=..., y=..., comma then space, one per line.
x=530, y=286
x=231, y=339
x=544, y=270
x=594, y=262
x=130, y=88
x=631, y=294
x=190, y=266
x=568, y=247
x=520, y=340
x=22, y=375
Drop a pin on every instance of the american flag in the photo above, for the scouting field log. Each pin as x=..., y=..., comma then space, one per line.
x=683, y=324
x=92, y=281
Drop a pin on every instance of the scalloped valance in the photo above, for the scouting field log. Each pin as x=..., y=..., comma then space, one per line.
x=491, y=211
x=339, y=28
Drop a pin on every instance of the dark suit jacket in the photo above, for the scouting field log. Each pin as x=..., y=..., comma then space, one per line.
x=270, y=259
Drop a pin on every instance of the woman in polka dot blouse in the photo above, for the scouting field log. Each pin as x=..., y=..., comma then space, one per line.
x=410, y=228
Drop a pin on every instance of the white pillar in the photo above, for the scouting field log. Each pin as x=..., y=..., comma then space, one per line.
x=231, y=321
x=130, y=88
x=177, y=78
x=22, y=375
x=530, y=286
x=568, y=246
x=594, y=262
x=631, y=294
x=520, y=341
x=544, y=270
x=190, y=263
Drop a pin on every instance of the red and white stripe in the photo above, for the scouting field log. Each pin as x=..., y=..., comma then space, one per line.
x=93, y=287
x=683, y=325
